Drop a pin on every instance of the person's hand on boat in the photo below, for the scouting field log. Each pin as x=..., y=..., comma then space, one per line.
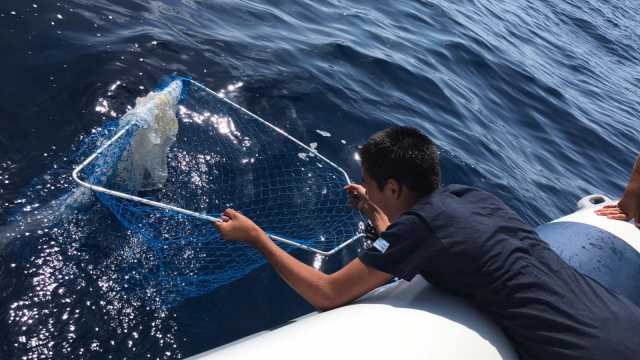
x=614, y=212
x=234, y=226
x=629, y=206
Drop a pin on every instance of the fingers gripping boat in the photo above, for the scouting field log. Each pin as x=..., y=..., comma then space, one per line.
x=413, y=320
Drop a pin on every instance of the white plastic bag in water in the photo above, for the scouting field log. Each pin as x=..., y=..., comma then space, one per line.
x=144, y=166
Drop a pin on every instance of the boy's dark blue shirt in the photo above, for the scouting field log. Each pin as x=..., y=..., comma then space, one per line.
x=468, y=242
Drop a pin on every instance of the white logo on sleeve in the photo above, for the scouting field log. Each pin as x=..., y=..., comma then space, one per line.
x=381, y=244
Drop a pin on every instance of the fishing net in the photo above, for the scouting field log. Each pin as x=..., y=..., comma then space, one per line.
x=183, y=155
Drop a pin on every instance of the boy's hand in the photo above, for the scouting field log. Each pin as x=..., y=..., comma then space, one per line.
x=358, y=198
x=237, y=227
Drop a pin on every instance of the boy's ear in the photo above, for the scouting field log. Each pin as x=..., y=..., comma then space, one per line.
x=394, y=188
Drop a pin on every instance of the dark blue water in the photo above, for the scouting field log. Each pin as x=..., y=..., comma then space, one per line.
x=535, y=101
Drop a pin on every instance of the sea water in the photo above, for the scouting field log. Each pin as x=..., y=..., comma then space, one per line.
x=534, y=101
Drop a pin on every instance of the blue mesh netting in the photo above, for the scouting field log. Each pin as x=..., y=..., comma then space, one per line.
x=222, y=157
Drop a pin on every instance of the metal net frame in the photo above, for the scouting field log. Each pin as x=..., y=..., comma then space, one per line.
x=223, y=156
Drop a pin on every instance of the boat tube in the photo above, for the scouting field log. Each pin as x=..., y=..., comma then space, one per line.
x=414, y=320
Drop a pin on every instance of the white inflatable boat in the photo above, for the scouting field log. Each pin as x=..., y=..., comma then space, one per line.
x=413, y=320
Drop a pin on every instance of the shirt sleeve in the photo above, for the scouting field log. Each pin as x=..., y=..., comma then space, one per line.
x=406, y=248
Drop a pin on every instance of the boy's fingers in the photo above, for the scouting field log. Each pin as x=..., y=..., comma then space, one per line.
x=610, y=206
x=609, y=211
x=618, y=217
x=230, y=213
x=351, y=186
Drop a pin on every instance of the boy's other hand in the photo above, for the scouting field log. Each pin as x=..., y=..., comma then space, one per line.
x=358, y=198
x=237, y=227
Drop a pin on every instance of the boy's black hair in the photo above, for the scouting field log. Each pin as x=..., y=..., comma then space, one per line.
x=404, y=154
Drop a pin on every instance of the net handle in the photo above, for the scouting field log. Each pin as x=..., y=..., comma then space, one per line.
x=96, y=188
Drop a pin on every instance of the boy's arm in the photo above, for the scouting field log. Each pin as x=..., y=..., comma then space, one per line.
x=321, y=290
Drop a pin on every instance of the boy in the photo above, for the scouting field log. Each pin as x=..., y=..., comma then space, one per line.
x=464, y=241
